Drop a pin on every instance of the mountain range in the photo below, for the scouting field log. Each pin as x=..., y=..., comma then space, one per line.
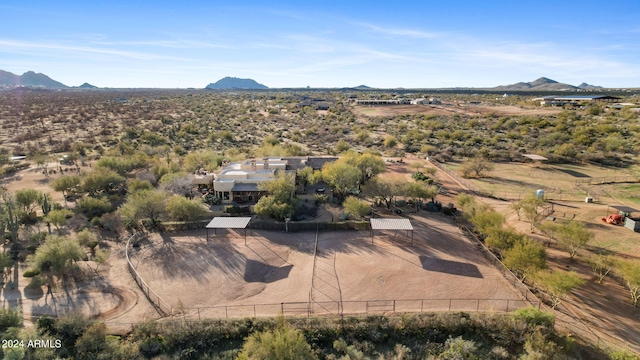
x=236, y=83
x=545, y=84
x=38, y=80
x=29, y=79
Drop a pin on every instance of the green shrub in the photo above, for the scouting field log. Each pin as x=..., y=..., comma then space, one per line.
x=534, y=317
x=31, y=273
x=10, y=317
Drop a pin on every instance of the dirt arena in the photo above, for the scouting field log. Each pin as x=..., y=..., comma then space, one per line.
x=227, y=278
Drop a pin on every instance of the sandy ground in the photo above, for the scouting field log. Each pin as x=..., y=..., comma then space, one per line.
x=275, y=268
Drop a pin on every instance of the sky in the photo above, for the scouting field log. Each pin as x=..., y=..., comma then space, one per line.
x=384, y=44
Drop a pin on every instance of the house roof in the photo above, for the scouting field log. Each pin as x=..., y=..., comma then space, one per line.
x=317, y=163
x=391, y=224
x=244, y=187
x=228, y=223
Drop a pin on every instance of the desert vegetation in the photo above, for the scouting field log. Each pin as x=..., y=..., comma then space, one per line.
x=121, y=162
x=525, y=334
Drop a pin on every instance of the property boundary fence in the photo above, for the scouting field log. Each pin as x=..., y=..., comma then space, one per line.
x=608, y=180
x=356, y=307
x=160, y=304
x=550, y=194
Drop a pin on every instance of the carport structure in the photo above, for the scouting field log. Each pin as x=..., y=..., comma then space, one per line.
x=228, y=223
x=391, y=224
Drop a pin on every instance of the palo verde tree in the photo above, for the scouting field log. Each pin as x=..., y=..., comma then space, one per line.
x=573, y=237
x=281, y=201
x=66, y=184
x=531, y=207
x=101, y=179
x=419, y=192
x=147, y=205
x=55, y=257
x=58, y=218
x=630, y=271
x=558, y=284
x=384, y=188
x=526, y=258
x=343, y=177
x=602, y=265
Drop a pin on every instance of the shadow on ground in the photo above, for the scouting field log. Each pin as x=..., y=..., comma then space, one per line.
x=450, y=267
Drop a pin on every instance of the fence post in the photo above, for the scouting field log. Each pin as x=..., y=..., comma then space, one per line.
x=394, y=306
x=508, y=304
x=226, y=312
x=449, y=304
x=282, y=308
x=199, y=314
x=254, y=311
x=421, y=304
x=478, y=305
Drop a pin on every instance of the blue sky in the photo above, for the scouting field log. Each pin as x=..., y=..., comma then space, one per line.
x=420, y=44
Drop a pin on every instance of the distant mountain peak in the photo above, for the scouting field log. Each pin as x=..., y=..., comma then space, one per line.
x=585, y=86
x=362, y=87
x=543, y=80
x=540, y=84
x=236, y=83
x=87, y=86
x=29, y=79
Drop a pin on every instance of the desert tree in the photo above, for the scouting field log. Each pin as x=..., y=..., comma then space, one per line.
x=502, y=239
x=476, y=168
x=66, y=184
x=56, y=257
x=177, y=183
x=88, y=238
x=558, y=284
x=369, y=165
x=531, y=208
x=113, y=221
x=281, y=201
x=485, y=221
x=526, y=258
x=144, y=205
x=343, y=177
x=28, y=199
x=419, y=191
x=386, y=189
x=180, y=208
x=602, y=265
x=58, y=218
x=573, y=237
x=101, y=179
x=630, y=271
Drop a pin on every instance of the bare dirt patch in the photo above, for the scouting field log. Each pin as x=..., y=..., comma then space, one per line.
x=275, y=268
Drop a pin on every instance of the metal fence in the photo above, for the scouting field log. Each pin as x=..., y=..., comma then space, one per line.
x=550, y=194
x=608, y=180
x=355, y=307
x=163, y=307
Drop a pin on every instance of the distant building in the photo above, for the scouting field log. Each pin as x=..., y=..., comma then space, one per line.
x=423, y=101
x=382, y=102
x=575, y=100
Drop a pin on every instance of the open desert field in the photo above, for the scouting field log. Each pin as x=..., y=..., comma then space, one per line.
x=276, y=272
